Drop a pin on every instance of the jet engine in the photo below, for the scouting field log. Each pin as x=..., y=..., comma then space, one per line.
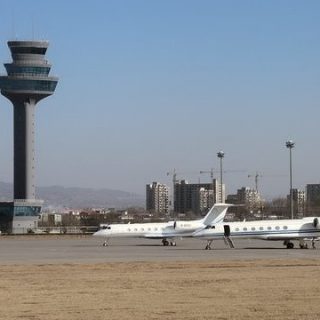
x=182, y=225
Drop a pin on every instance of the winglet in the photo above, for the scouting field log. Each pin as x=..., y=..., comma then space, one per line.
x=216, y=214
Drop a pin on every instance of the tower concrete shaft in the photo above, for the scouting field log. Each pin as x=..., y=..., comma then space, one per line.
x=24, y=153
x=26, y=84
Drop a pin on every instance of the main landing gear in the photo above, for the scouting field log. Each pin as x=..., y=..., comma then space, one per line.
x=302, y=244
x=166, y=243
x=290, y=245
x=313, y=243
x=208, y=246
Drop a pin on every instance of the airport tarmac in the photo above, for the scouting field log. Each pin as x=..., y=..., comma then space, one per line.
x=76, y=278
x=87, y=249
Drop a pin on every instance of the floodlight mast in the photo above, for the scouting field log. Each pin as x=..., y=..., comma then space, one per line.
x=220, y=155
x=290, y=145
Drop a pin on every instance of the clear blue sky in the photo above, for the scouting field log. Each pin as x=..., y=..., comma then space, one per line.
x=148, y=86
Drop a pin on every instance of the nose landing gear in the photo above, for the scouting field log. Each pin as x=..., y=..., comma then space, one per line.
x=166, y=243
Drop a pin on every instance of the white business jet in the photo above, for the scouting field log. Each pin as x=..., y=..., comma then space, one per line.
x=167, y=231
x=306, y=229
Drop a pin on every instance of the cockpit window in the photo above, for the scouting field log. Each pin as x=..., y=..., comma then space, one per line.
x=106, y=227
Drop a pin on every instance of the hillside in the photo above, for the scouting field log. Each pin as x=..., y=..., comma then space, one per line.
x=74, y=197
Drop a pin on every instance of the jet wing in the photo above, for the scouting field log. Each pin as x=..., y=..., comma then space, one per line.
x=167, y=233
x=158, y=236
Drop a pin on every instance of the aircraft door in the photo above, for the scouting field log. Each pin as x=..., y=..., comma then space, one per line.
x=226, y=230
x=108, y=229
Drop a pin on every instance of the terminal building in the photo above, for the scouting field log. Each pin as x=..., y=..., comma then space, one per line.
x=26, y=83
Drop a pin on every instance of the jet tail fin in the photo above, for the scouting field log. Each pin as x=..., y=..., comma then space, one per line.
x=216, y=214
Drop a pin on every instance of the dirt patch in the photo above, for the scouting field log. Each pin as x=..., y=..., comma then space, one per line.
x=259, y=289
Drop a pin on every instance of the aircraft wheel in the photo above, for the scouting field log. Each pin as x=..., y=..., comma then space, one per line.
x=290, y=245
x=165, y=242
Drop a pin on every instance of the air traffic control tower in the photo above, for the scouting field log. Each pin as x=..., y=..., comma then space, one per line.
x=26, y=83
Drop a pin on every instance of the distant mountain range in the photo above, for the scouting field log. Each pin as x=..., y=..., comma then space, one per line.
x=58, y=197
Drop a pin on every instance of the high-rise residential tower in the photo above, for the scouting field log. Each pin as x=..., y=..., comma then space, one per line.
x=187, y=196
x=26, y=83
x=157, y=198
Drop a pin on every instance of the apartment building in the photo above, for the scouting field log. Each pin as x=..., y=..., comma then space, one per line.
x=195, y=197
x=157, y=198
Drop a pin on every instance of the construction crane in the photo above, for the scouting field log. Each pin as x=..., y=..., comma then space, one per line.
x=174, y=176
x=256, y=177
x=211, y=171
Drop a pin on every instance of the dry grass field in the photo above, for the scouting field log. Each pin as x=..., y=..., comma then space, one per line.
x=260, y=289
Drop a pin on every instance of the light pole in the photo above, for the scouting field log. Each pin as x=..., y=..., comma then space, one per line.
x=220, y=155
x=290, y=144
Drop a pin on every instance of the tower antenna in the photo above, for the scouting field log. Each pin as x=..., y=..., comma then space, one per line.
x=13, y=25
x=32, y=27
